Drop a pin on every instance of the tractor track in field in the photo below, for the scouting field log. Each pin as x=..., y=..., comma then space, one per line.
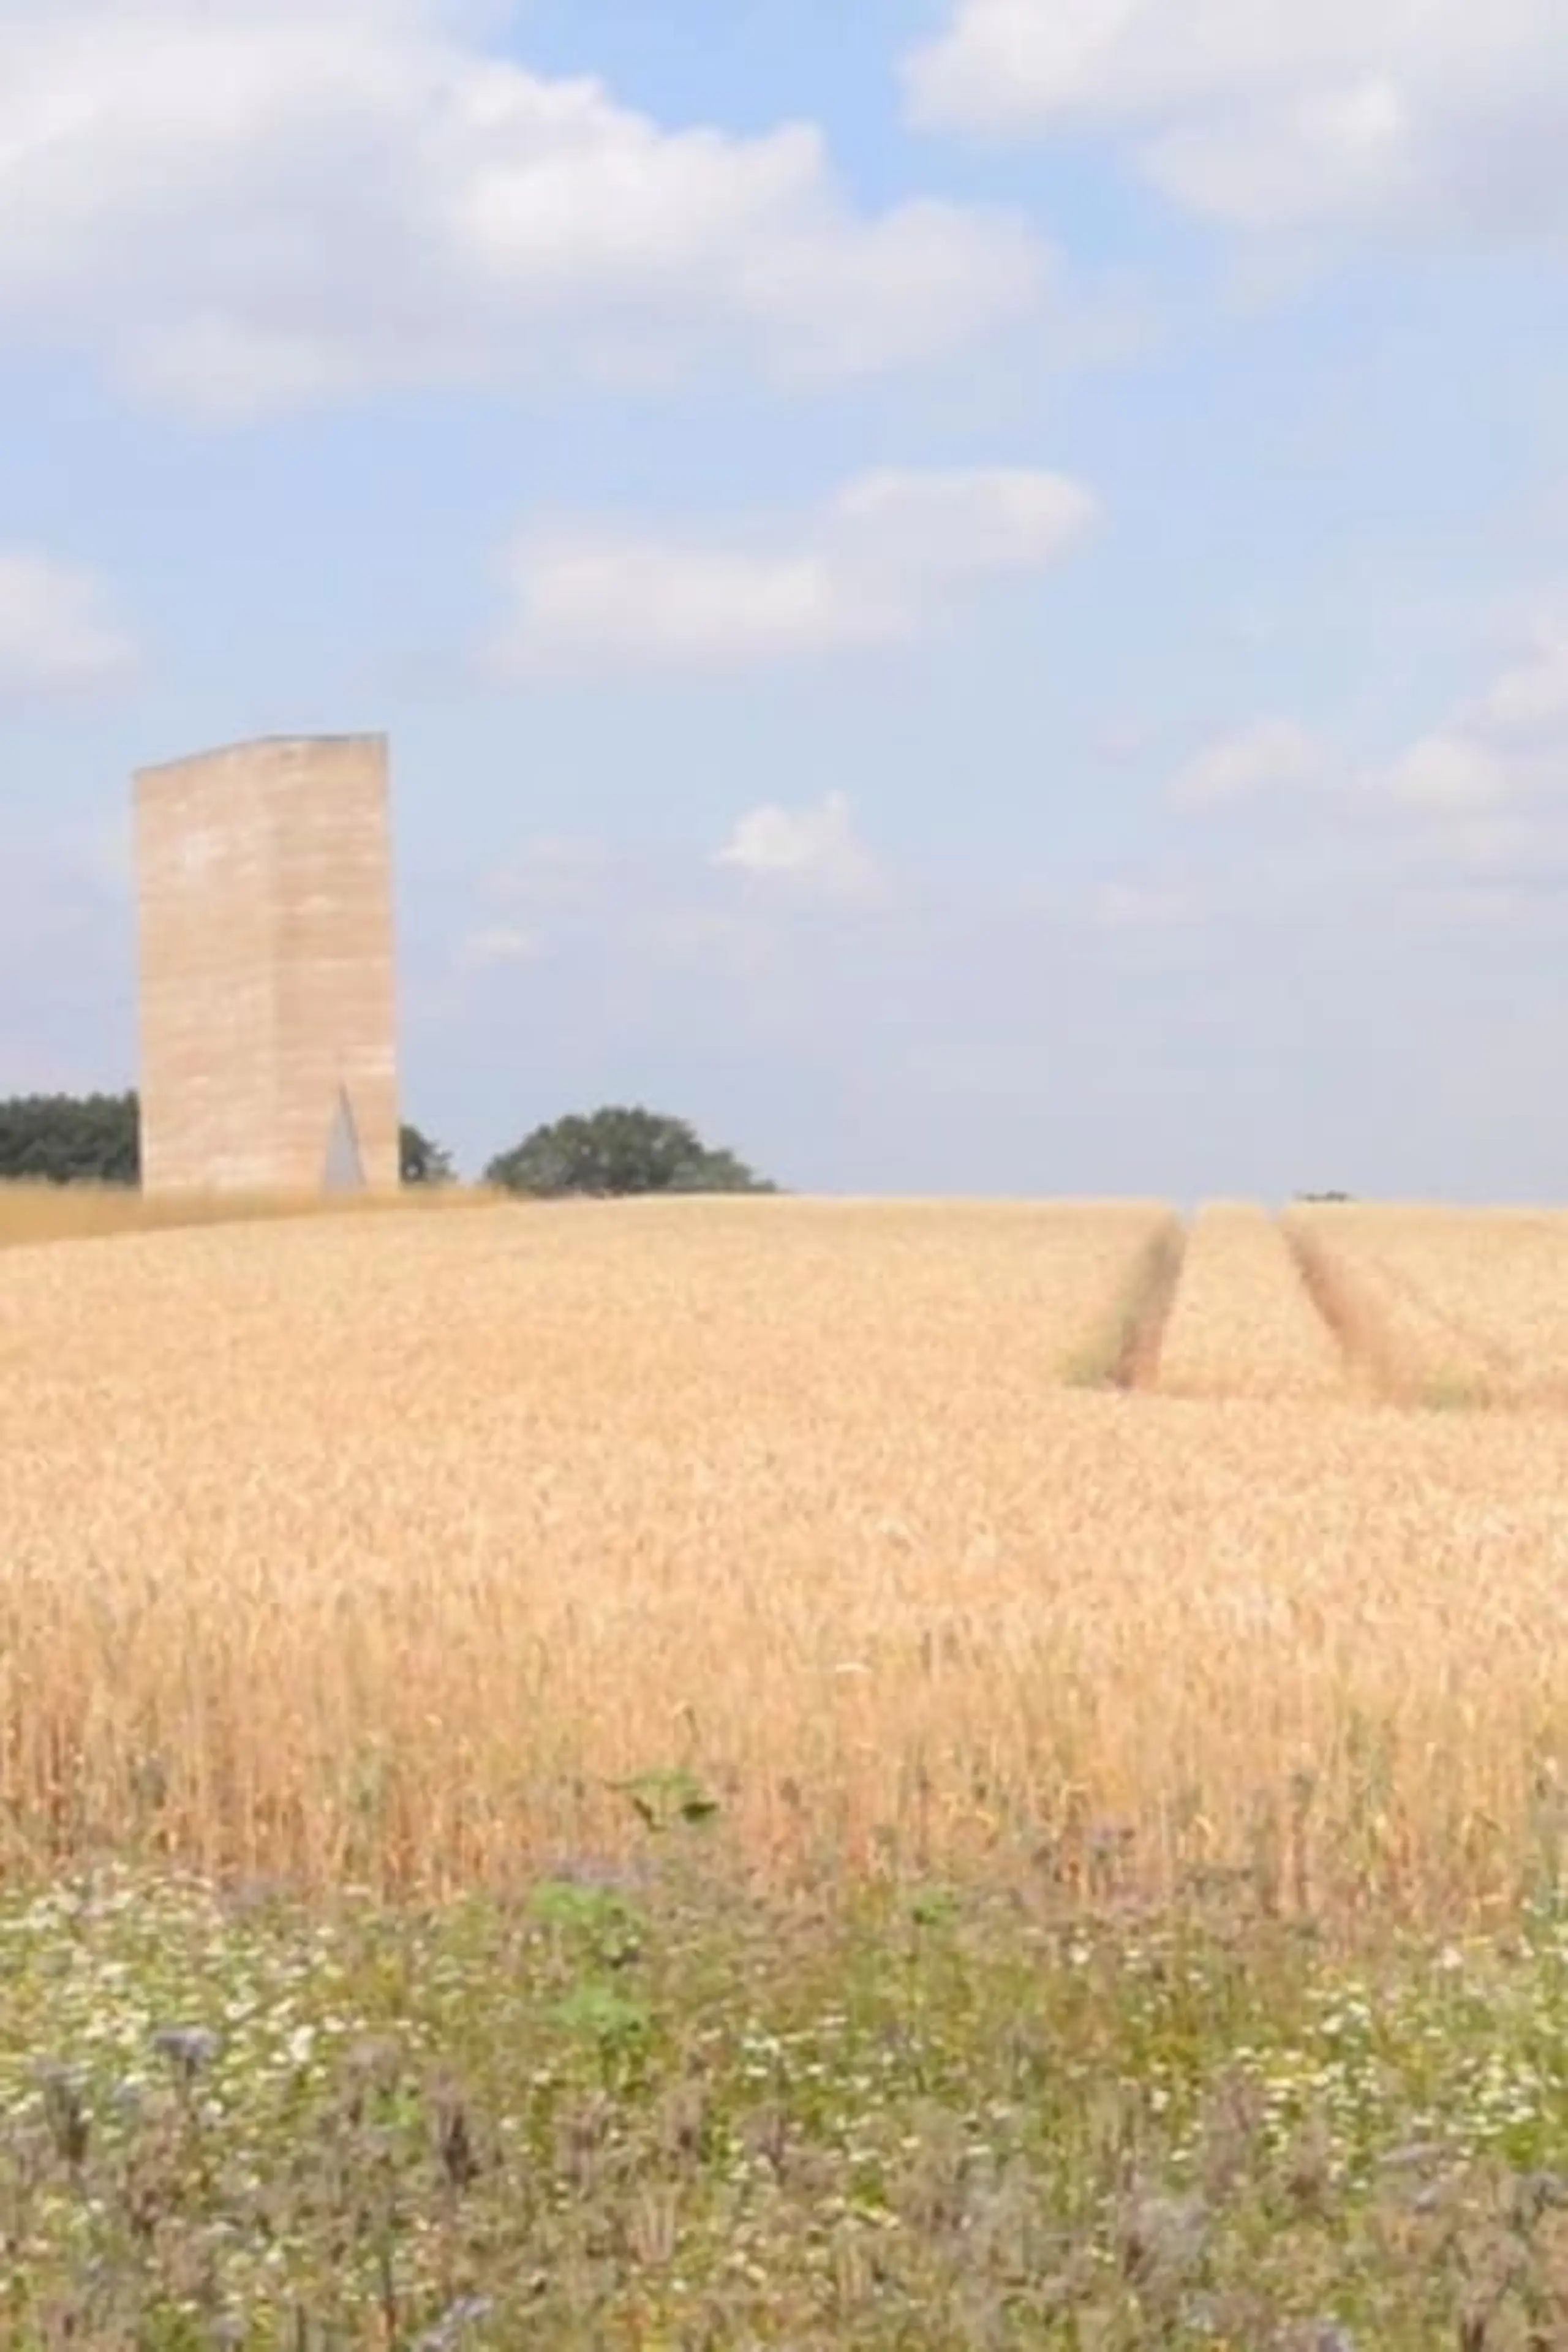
x=1357, y=1329
x=1136, y=1369
x=1374, y=1356
x=1385, y=1328
x=1502, y=1365
x=1488, y=1371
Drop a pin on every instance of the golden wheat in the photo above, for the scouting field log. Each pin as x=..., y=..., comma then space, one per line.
x=1405, y=1283
x=381, y=1547
x=1241, y=1323
x=33, y=1213
x=1493, y=1283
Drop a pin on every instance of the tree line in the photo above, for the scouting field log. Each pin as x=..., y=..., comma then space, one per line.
x=606, y=1154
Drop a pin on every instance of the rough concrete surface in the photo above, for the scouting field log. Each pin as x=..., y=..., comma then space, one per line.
x=267, y=1001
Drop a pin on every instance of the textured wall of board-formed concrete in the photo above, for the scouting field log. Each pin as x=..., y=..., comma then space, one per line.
x=264, y=877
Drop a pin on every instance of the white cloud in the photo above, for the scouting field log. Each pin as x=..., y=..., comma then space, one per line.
x=100, y=848
x=817, y=847
x=1124, y=739
x=57, y=631
x=959, y=526
x=1504, y=751
x=1474, y=864
x=1530, y=696
x=1272, y=755
x=1443, y=773
x=246, y=209
x=553, y=870
x=600, y=598
x=879, y=564
x=1470, y=811
x=500, y=943
x=1468, y=815
x=1142, y=907
x=709, y=940
x=1270, y=115
x=1477, y=907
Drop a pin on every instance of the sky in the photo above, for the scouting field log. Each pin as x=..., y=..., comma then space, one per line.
x=972, y=595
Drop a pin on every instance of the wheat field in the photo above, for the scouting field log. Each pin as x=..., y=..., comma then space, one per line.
x=382, y=1549
x=1240, y=1318
x=1476, y=1300
x=35, y=1212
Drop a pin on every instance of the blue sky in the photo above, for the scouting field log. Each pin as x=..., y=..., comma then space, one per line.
x=972, y=595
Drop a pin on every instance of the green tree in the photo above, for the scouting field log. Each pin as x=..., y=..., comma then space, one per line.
x=96, y=1140
x=422, y=1160
x=71, y=1140
x=617, y=1151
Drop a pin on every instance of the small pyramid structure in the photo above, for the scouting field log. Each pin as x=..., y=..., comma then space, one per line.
x=344, y=1168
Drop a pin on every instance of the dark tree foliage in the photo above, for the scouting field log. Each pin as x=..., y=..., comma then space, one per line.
x=617, y=1151
x=71, y=1140
x=421, y=1161
x=1325, y=1199
x=96, y=1140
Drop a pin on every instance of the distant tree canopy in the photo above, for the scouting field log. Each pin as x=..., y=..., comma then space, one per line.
x=96, y=1140
x=69, y=1140
x=610, y=1154
x=421, y=1161
x=1325, y=1199
x=617, y=1151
